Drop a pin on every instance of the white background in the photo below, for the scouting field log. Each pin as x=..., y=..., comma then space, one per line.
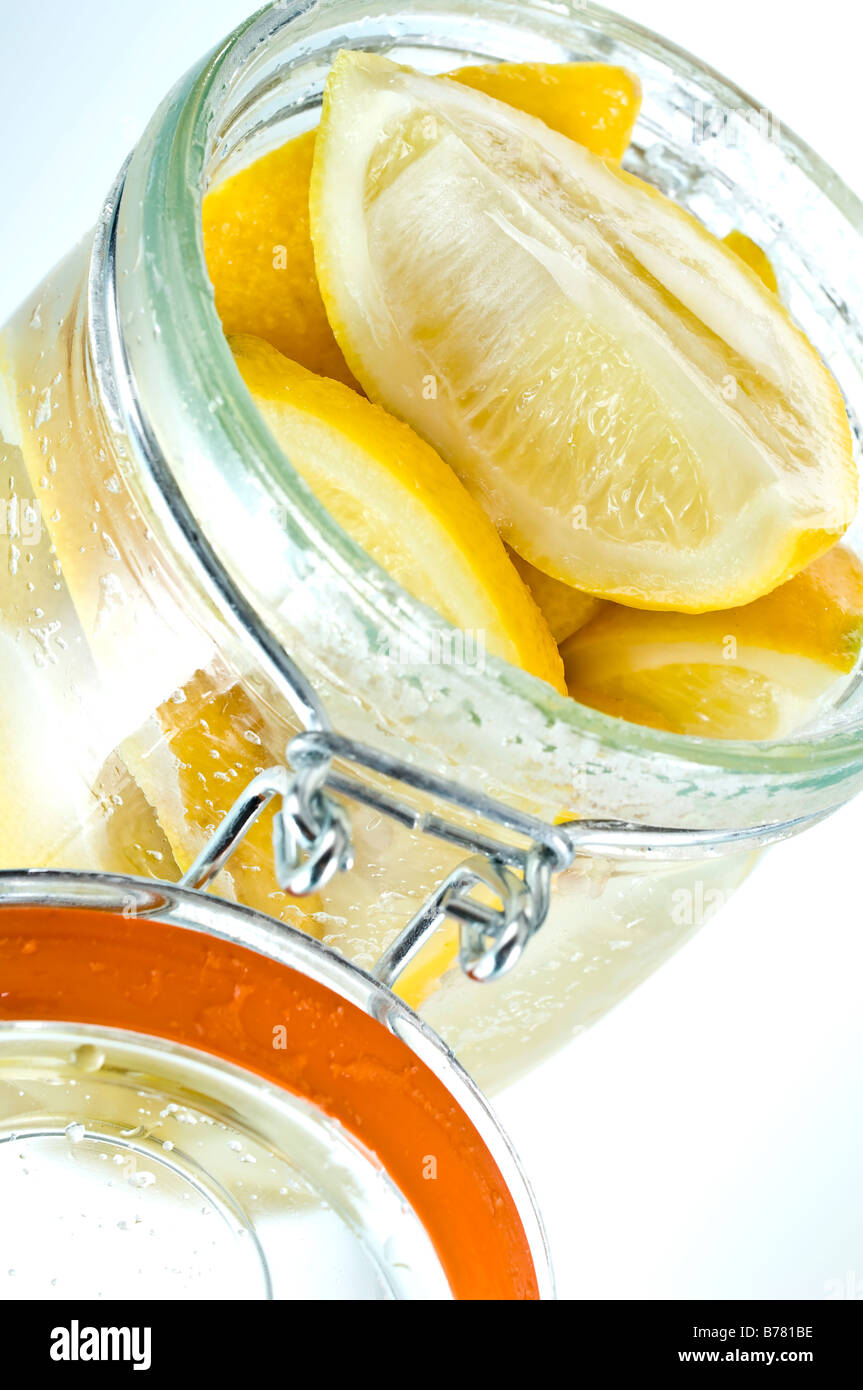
x=705, y=1140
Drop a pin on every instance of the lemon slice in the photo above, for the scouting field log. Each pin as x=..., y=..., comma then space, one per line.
x=256, y=223
x=755, y=672
x=404, y=506
x=633, y=408
x=565, y=609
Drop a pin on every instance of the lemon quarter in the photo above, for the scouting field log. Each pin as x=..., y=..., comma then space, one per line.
x=630, y=404
x=406, y=508
x=755, y=672
x=754, y=256
x=594, y=103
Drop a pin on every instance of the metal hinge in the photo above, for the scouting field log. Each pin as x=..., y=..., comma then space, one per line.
x=312, y=843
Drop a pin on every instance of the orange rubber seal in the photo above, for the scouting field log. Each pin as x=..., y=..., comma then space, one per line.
x=77, y=965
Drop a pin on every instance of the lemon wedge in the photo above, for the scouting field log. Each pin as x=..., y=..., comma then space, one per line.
x=632, y=407
x=260, y=260
x=256, y=222
x=565, y=609
x=755, y=672
x=596, y=104
x=192, y=759
x=407, y=509
x=754, y=256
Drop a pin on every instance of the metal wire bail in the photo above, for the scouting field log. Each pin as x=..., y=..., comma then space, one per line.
x=311, y=830
x=492, y=941
x=311, y=833
x=312, y=843
x=492, y=937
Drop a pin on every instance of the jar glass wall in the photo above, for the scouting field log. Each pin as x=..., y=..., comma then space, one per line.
x=141, y=704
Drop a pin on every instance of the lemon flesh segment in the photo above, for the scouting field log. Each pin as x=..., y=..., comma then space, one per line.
x=256, y=222
x=756, y=672
x=632, y=407
x=393, y=495
x=565, y=609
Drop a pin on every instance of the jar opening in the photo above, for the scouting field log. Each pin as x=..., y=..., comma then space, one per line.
x=262, y=86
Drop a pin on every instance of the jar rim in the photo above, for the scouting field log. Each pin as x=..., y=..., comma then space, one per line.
x=181, y=145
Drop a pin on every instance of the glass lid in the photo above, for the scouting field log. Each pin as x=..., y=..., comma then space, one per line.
x=198, y=1102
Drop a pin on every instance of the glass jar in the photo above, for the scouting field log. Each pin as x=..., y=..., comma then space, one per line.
x=164, y=557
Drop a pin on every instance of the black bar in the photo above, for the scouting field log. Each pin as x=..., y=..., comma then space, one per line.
x=255, y=1339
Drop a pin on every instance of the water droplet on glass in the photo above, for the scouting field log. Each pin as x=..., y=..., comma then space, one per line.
x=142, y=1179
x=88, y=1058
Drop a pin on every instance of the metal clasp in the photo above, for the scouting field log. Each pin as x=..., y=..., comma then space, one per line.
x=491, y=938
x=312, y=843
x=311, y=832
